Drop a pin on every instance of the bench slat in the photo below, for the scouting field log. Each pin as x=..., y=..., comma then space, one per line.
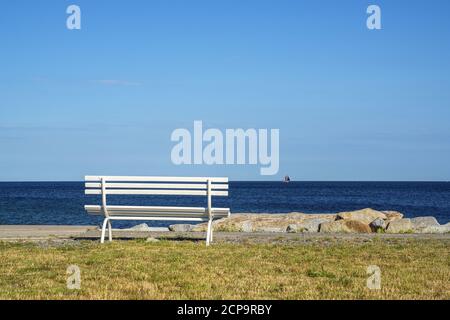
x=145, y=218
x=155, y=192
x=157, y=211
x=156, y=179
x=159, y=214
x=156, y=185
x=154, y=208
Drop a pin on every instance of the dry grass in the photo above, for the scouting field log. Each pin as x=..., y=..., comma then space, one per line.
x=411, y=269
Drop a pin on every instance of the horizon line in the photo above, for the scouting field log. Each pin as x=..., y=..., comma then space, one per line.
x=281, y=181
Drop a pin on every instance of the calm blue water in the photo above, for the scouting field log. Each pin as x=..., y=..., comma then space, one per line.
x=62, y=202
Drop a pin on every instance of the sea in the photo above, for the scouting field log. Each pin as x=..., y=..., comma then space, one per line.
x=62, y=203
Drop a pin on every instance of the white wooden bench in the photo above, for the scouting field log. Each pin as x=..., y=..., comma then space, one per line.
x=167, y=186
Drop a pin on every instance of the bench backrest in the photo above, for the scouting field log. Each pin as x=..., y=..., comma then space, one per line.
x=135, y=185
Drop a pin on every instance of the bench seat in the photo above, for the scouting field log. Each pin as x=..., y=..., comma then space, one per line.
x=189, y=213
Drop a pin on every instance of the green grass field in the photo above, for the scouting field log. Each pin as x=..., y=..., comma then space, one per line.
x=411, y=269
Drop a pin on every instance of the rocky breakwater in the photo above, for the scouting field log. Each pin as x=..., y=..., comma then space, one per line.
x=359, y=221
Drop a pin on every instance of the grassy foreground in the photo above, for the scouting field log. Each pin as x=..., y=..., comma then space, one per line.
x=411, y=269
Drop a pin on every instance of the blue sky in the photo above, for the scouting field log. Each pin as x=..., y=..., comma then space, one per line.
x=350, y=103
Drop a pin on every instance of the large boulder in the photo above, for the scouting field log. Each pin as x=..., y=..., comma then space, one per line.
x=365, y=216
x=429, y=226
x=217, y=226
x=400, y=226
x=269, y=229
x=436, y=229
x=392, y=215
x=345, y=226
x=313, y=225
x=307, y=225
x=421, y=224
x=264, y=222
x=378, y=225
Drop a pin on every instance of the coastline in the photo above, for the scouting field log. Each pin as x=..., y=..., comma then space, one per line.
x=365, y=223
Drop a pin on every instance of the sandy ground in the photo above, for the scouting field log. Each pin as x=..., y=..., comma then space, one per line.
x=76, y=233
x=23, y=232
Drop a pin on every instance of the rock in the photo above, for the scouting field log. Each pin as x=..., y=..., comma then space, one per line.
x=420, y=224
x=218, y=225
x=140, y=227
x=400, y=226
x=313, y=225
x=377, y=225
x=263, y=222
x=345, y=226
x=392, y=215
x=435, y=229
x=439, y=229
x=152, y=240
x=310, y=225
x=307, y=225
x=365, y=215
x=181, y=227
x=270, y=229
x=359, y=221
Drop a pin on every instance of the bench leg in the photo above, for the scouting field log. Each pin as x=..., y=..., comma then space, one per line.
x=208, y=233
x=102, y=239
x=212, y=228
x=109, y=230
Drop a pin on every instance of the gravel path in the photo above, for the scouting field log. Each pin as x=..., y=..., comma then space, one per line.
x=76, y=233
